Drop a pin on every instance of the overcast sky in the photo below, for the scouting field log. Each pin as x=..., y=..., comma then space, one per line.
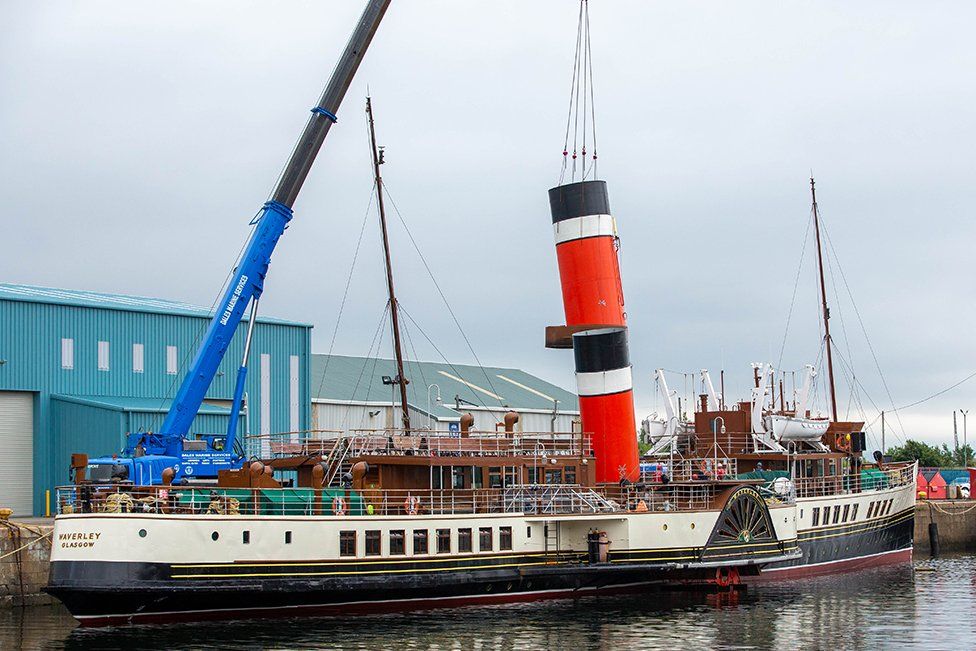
x=137, y=139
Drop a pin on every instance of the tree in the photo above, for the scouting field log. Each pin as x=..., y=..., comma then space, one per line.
x=927, y=455
x=963, y=456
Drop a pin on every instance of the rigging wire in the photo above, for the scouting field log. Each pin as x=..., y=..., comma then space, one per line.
x=433, y=279
x=580, y=116
x=796, y=284
x=362, y=371
x=478, y=399
x=860, y=320
x=345, y=292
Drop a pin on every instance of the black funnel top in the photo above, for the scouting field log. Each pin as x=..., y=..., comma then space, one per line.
x=579, y=199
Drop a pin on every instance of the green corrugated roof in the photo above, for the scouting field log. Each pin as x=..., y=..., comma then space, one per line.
x=360, y=379
x=84, y=298
x=120, y=403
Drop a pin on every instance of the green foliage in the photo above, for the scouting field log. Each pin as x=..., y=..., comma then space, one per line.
x=933, y=456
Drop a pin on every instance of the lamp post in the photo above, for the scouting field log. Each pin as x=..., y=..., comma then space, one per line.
x=430, y=418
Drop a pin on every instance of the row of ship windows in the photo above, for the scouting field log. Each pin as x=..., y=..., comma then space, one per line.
x=849, y=512
x=104, y=357
x=421, y=542
x=397, y=541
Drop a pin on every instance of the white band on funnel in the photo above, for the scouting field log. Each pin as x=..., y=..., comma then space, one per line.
x=603, y=383
x=578, y=228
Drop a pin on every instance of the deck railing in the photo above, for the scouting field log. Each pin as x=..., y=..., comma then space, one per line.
x=427, y=443
x=531, y=499
x=891, y=476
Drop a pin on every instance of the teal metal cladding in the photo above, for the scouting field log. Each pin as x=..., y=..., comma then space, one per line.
x=31, y=352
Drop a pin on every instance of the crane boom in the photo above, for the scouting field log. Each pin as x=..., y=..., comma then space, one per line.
x=248, y=279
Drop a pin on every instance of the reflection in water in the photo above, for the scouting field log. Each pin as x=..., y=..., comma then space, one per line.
x=870, y=609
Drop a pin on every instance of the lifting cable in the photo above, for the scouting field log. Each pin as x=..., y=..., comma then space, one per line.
x=581, y=115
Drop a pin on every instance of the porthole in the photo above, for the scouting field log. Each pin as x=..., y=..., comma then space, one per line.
x=214, y=536
x=692, y=525
x=665, y=527
x=142, y=533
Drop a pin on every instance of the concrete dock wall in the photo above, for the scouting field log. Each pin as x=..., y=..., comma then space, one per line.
x=25, y=550
x=956, y=520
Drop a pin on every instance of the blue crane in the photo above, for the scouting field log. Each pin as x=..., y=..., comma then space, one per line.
x=147, y=454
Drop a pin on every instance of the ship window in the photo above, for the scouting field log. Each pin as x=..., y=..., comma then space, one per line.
x=504, y=538
x=836, y=513
x=347, y=543
x=484, y=539
x=464, y=540
x=816, y=516
x=214, y=536
x=397, y=547
x=533, y=473
x=888, y=510
x=554, y=476
x=246, y=538
x=436, y=479
x=801, y=514
x=569, y=474
x=287, y=537
x=373, y=543
x=847, y=511
x=420, y=541
x=854, y=513
x=443, y=541
x=870, y=510
x=142, y=533
x=495, y=477
x=457, y=477
x=477, y=481
x=528, y=532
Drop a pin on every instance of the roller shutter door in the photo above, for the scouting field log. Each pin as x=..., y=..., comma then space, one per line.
x=17, y=444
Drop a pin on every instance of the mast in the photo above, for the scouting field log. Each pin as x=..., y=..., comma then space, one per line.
x=394, y=306
x=826, y=310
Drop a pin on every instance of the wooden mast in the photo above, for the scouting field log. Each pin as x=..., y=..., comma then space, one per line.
x=394, y=306
x=826, y=310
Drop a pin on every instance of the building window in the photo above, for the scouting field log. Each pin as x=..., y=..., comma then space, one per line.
x=443, y=541
x=138, y=358
x=171, y=360
x=67, y=354
x=347, y=543
x=397, y=548
x=847, y=512
x=373, y=543
x=464, y=540
x=103, y=356
x=484, y=539
x=246, y=538
x=569, y=474
x=420, y=541
x=816, y=516
x=505, y=538
x=854, y=513
x=287, y=537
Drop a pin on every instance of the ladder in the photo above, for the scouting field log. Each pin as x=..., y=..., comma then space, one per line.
x=551, y=539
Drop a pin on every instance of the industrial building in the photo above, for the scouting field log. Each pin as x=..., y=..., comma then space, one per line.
x=79, y=369
x=359, y=393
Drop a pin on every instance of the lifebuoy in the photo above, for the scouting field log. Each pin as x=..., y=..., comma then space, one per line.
x=338, y=505
x=411, y=505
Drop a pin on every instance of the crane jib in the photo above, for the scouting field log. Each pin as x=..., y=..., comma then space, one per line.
x=248, y=280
